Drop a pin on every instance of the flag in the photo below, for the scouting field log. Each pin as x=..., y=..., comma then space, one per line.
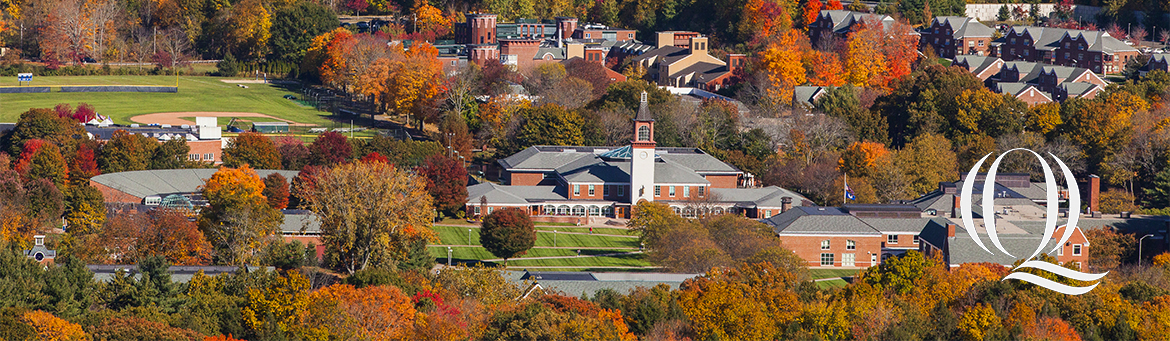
x=849, y=193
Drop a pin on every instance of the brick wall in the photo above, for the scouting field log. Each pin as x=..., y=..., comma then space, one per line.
x=525, y=179
x=111, y=195
x=203, y=148
x=809, y=249
x=723, y=181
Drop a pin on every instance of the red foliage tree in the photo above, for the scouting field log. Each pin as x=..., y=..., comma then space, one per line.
x=166, y=233
x=507, y=232
x=84, y=164
x=446, y=182
x=375, y=157
x=812, y=9
x=330, y=149
x=276, y=190
x=833, y=5
x=84, y=113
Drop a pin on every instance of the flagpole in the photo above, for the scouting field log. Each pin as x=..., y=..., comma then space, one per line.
x=845, y=191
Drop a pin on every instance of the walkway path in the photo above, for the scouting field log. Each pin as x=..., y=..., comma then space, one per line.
x=547, y=247
x=555, y=231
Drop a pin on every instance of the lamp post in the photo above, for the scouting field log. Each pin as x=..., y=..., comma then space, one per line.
x=554, y=238
x=1140, y=248
x=468, y=236
x=448, y=256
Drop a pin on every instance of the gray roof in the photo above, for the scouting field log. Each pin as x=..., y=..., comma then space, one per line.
x=1029, y=71
x=520, y=195
x=168, y=181
x=842, y=19
x=300, y=221
x=179, y=273
x=703, y=71
x=770, y=196
x=1063, y=72
x=966, y=27
x=556, y=52
x=806, y=94
x=547, y=158
x=1048, y=39
x=976, y=64
x=673, y=173
x=1077, y=89
x=1012, y=88
x=670, y=52
x=589, y=283
x=900, y=225
x=819, y=220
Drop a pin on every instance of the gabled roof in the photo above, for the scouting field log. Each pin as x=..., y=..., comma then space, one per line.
x=1018, y=89
x=770, y=196
x=1063, y=72
x=1028, y=71
x=806, y=94
x=819, y=220
x=842, y=19
x=901, y=225
x=664, y=52
x=514, y=195
x=977, y=64
x=1048, y=39
x=704, y=71
x=1078, y=89
x=964, y=27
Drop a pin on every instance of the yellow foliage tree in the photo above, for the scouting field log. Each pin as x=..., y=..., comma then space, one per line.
x=864, y=58
x=249, y=28
x=859, y=159
x=1043, y=118
x=238, y=217
x=978, y=322
x=282, y=302
x=52, y=328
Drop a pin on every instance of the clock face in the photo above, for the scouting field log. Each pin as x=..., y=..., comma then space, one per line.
x=643, y=155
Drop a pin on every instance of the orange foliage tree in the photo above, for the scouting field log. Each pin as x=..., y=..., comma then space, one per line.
x=783, y=61
x=834, y=5
x=238, y=217
x=52, y=328
x=763, y=19
x=859, y=159
x=812, y=9
x=343, y=312
x=824, y=68
x=901, y=49
x=165, y=233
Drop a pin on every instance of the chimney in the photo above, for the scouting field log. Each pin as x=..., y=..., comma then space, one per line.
x=954, y=206
x=664, y=39
x=698, y=45
x=950, y=230
x=785, y=204
x=735, y=62
x=575, y=50
x=1094, y=193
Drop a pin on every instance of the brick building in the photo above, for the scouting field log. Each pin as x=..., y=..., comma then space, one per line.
x=1024, y=92
x=692, y=66
x=1093, y=50
x=1059, y=82
x=956, y=36
x=852, y=236
x=1157, y=62
x=982, y=67
x=837, y=24
x=151, y=187
x=573, y=183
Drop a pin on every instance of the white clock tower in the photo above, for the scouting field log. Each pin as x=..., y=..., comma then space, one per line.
x=642, y=155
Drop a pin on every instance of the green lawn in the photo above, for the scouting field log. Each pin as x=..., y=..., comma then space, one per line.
x=830, y=273
x=835, y=283
x=450, y=235
x=478, y=253
x=196, y=93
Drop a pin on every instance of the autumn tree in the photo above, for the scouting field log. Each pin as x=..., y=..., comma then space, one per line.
x=864, y=60
x=369, y=212
x=276, y=190
x=49, y=327
x=164, y=233
x=276, y=308
x=549, y=124
x=446, y=182
x=85, y=209
x=126, y=152
x=171, y=154
x=252, y=149
x=812, y=9
x=42, y=124
x=860, y=158
x=927, y=160
x=84, y=165
x=368, y=313
x=249, y=29
x=238, y=217
x=294, y=155
x=782, y=60
x=330, y=149
x=507, y=232
x=46, y=162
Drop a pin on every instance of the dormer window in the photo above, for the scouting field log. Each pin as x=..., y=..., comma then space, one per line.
x=644, y=133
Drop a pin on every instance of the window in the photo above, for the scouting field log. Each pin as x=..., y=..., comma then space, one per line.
x=1013, y=40
x=1026, y=52
x=1060, y=251
x=826, y=259
x=489, y=210
x=701, y=189
x=980, y=43
x=657, y=191
x=605, y=190
x=590, y=190
x=671, y=191
x=825, y=244
x=644, y=133
x=477, y=210
x=209, y=157
x=767, y=213
x=970, y=43
x=193, y=157
x=1066, y=55
x=1011, y=52
x=1076, y=249
x=621, y=191
x=848, y=259
x=850, y=245
x=576, y=189
x=1066, y=45
x=892, y=239
x=686, y=191
x=915, y=239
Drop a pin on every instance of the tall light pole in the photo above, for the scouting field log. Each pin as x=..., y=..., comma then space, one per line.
x=554, y=238
x=1140, y=248
x=448, y=256
x=468, y=236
